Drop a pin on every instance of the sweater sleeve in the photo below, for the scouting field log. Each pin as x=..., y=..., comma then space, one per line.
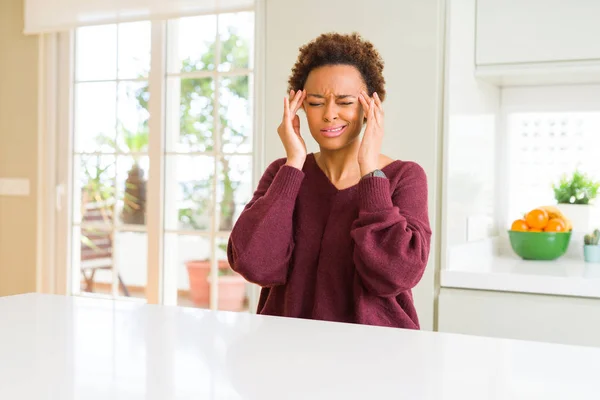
x=392, y=233
x=261, y=241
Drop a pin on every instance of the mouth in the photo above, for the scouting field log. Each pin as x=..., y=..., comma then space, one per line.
x=333, y=131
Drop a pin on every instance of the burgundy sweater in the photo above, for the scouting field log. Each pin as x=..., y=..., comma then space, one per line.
x=350, y=255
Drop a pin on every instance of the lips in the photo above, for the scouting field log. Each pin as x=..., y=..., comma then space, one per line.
x=333, y=131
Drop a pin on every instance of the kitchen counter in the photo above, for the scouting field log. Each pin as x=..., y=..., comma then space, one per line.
x=487, y=265
x=562, y=277
x=55, y=347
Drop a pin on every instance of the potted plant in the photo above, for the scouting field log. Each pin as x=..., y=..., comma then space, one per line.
x=231, y=292
x=575, y=196
x=591, y=248
x=231, y=285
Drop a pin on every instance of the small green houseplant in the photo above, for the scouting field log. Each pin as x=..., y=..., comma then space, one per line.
x=575, y=196
x=591, y=248
x=578, y=189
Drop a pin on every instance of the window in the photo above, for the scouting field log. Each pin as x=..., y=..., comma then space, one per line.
x=544, y=146
x=204, y=168
x=110, y=160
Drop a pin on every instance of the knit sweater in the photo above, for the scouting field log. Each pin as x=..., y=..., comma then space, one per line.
x=350, y=255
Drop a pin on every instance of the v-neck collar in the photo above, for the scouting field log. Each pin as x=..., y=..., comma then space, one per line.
x=324, y=176
x=330, y=184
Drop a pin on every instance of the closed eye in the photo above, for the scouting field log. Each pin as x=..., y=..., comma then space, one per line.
x=346, y=104
x=315, y=104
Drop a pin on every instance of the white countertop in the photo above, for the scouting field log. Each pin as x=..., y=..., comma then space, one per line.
x=481, y=266
x=560, y=277
x=54, y=347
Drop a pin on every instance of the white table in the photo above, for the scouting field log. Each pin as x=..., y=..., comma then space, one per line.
x=54, y=347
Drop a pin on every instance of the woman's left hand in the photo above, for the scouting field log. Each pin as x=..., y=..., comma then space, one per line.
x=370, y=147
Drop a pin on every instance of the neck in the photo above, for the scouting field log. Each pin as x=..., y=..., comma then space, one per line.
x=340, y=165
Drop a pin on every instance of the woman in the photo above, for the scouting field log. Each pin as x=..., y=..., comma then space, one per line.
x=342, y=234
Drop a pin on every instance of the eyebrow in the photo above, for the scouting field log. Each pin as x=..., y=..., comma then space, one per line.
x=341, y=96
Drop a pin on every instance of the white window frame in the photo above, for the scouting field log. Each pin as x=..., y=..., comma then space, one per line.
x=56, y=64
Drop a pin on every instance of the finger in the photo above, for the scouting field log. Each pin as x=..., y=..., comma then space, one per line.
x=377, y=100
x=286, y=108
x=294, y=101
x=296, y=125
x=376, y=108
x=300, y=101
x=363, y=102
x=379, y=108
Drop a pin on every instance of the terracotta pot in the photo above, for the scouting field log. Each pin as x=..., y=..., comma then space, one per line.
x=198, y=271
x=232, y=292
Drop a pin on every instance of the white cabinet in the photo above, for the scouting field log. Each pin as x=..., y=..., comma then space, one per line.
x=537, y=31
x=557, y=319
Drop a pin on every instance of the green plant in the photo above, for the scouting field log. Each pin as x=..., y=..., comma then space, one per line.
x=593, y=238
x=578, y=189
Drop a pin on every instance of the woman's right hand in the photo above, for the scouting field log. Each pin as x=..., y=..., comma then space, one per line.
x=289, y=130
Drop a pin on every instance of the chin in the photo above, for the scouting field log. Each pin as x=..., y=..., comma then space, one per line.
x=334, y=144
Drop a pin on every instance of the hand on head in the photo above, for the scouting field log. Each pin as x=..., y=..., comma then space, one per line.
x=289, y=130
x=370, y=147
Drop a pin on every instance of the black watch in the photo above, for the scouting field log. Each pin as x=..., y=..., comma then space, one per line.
x=377, y=173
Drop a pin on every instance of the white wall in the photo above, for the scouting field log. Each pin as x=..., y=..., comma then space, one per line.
x=472, y=115
x=409, y=36
x=18, y=150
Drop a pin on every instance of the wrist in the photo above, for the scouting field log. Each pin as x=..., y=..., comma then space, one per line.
x=295, y=163
x=367, y=169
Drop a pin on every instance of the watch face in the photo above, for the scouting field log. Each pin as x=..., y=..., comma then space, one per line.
x=378, y=173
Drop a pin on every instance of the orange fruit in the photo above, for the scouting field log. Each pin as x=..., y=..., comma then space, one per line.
x=535, y=230
x=537, y=218
x=556, y=225
x=519, y=225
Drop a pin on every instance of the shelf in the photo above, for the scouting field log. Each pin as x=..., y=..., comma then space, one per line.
x=544, y=73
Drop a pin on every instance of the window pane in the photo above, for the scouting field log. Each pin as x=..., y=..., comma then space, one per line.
x=134, y=50
x=190, y=104
x=96, y=53
x=94, y=258
x=236, y=33
x=191, y=44
x=94, y=189
x=133, y=117
x=235, y=188
x=131, y=250
x=131, y=180
x=232, y=288
x=544, y=147
x=95, y=117
x=188, y=258
x=235, y=109
x=188, y=192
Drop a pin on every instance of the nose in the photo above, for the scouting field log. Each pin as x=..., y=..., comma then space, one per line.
x=330, y=112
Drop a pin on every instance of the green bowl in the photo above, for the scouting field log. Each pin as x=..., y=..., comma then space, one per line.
x=539, y=245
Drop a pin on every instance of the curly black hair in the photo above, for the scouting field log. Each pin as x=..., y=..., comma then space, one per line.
x=340, y=49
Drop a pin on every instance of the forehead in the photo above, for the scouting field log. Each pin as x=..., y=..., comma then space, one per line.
x=334, y=79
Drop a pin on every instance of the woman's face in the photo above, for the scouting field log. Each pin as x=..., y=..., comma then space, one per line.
x=335, y=116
